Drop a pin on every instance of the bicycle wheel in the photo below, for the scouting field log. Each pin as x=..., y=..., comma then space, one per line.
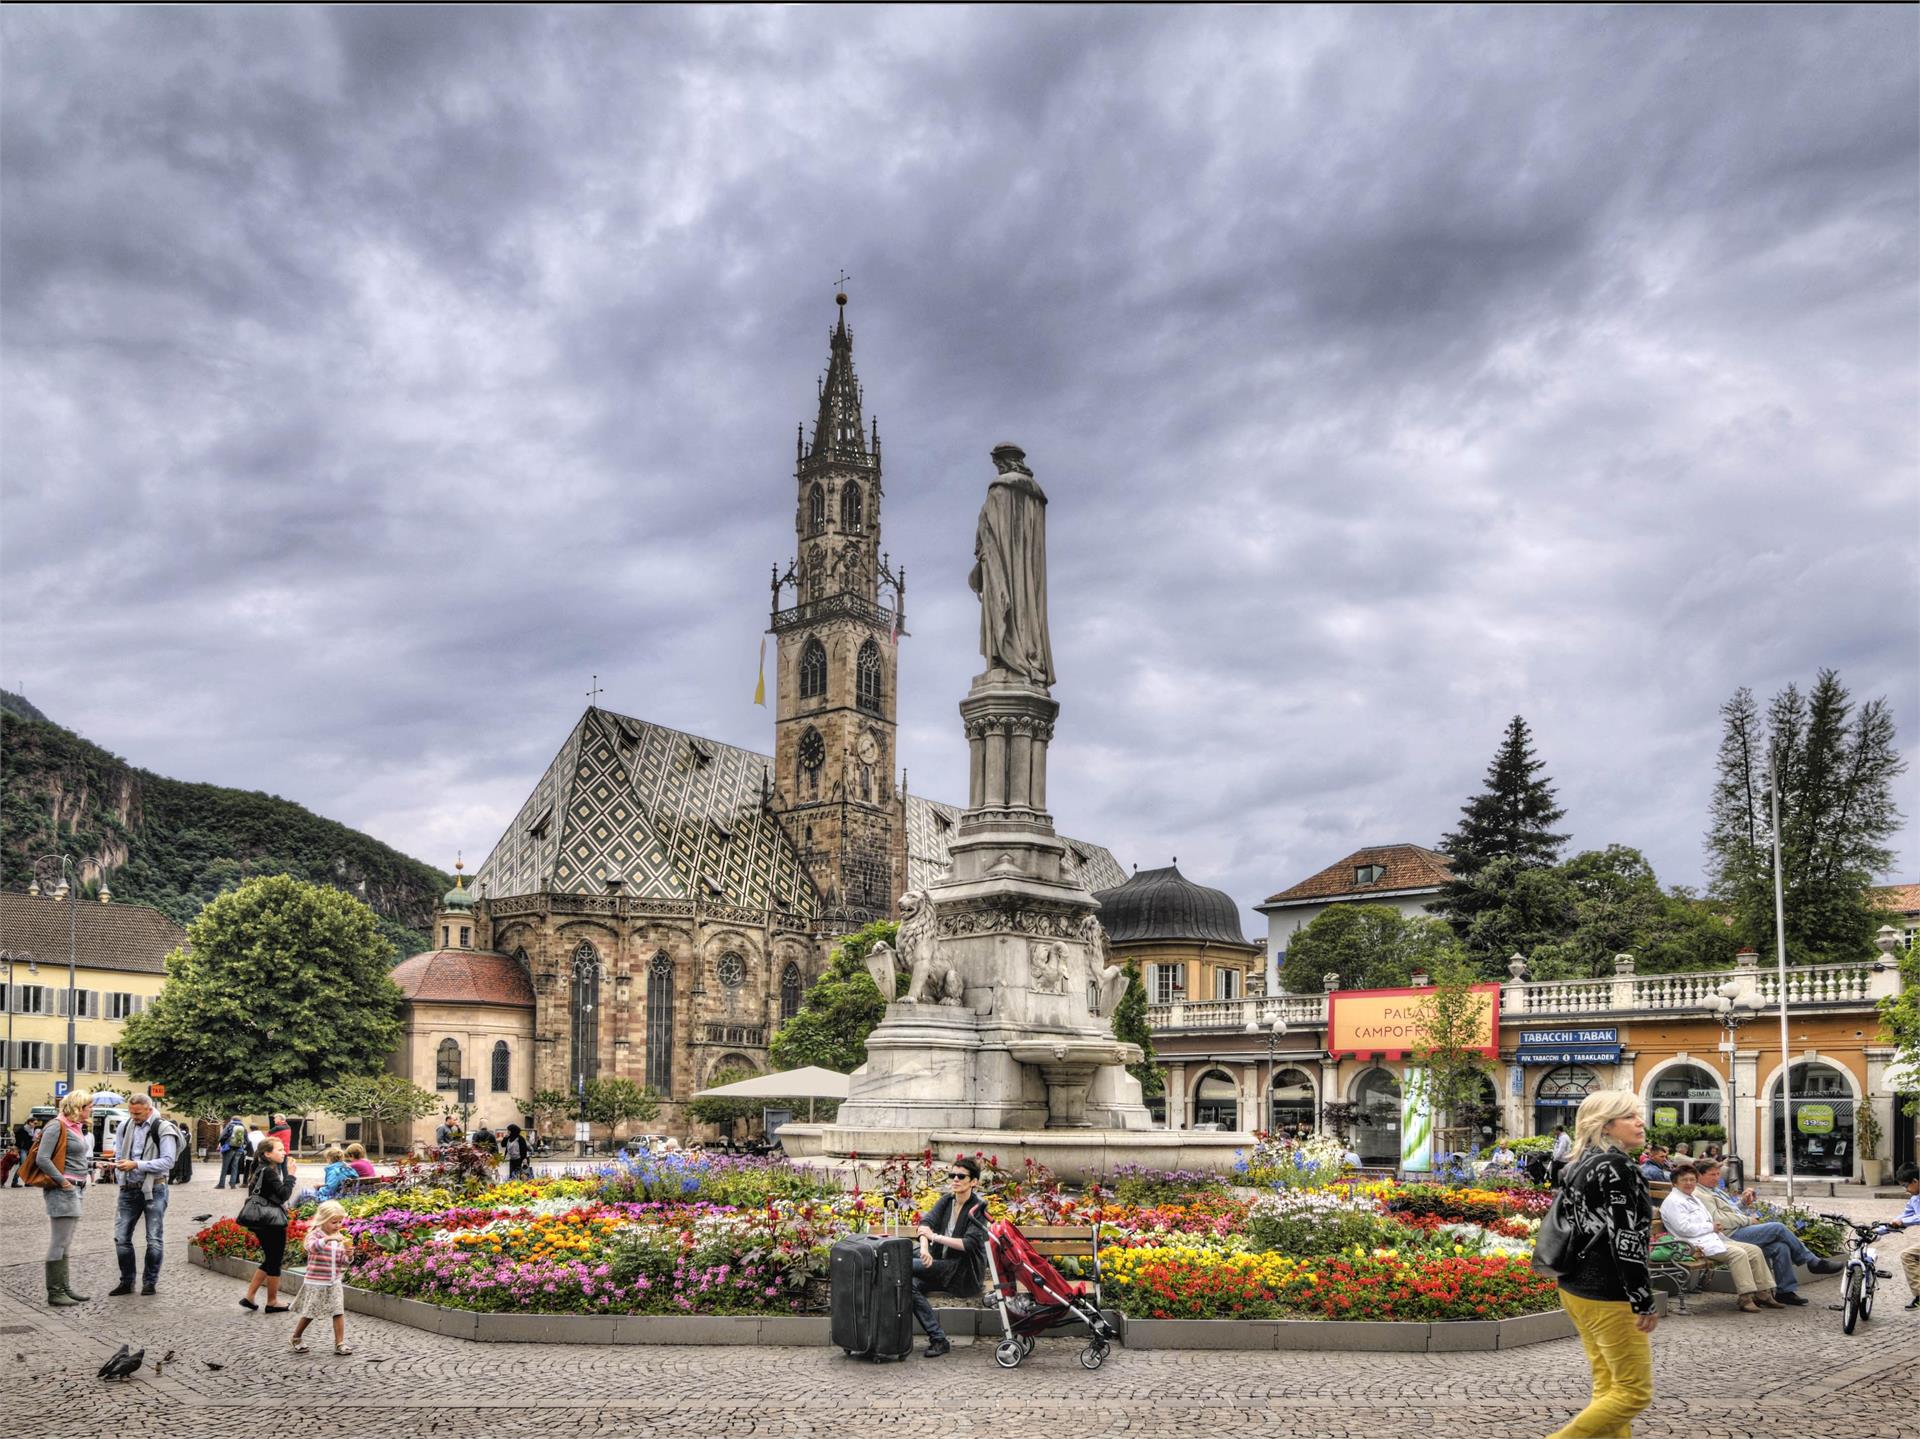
x=1850, y=1301
x=1866, y=1297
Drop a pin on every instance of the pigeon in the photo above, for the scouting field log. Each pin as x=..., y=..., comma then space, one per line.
x=201, y=1218
x=211, y=1365
x=123, y=1365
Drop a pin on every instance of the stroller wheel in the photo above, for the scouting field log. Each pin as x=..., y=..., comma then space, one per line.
x=1093, y=1356
x=1025, y=1341
x=1008, y=1354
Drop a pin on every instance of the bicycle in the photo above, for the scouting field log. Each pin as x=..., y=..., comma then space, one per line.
x=1862, y=1272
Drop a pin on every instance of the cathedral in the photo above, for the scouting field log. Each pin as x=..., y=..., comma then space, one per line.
x=661, y=902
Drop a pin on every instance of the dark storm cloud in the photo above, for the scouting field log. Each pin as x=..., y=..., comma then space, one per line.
x=375, y=375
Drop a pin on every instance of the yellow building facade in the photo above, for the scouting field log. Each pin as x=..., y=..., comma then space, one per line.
x=119, y=963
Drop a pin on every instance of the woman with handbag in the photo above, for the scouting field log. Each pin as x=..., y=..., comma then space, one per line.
x=267, y=1215
x=61, y=1160
x=1605, y=1287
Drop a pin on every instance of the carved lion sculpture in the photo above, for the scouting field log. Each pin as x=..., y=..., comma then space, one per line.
x=933, y=980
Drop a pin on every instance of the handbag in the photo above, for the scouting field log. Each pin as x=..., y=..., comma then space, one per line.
x=1558, y=1245
x=256, y=1212
x=29, y=1162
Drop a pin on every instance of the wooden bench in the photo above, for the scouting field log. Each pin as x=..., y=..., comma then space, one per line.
x=1683, y=1276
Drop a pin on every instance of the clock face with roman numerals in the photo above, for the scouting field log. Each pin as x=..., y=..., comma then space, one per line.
x=813, y=749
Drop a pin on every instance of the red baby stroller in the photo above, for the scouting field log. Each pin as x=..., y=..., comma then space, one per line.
x=1050, y=1300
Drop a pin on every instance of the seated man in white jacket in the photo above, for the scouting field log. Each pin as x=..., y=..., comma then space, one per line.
x=1688, y=1220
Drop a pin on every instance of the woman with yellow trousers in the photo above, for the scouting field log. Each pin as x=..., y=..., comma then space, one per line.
x=1607, y=1293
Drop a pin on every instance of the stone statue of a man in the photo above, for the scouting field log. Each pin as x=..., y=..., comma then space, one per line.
x=1010, y=571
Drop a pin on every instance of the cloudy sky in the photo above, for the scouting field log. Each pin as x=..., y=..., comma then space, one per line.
x=372, y=377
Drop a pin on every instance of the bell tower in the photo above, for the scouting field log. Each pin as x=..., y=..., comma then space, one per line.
x=836, y=664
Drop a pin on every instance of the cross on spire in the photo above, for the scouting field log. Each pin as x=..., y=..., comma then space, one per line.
x=594, y=693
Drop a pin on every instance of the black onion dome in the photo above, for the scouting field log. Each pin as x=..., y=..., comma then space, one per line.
x=1163, y=904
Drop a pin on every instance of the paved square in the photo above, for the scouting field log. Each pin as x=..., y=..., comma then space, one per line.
x=1721, y=1375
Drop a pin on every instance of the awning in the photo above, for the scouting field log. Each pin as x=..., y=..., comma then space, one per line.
x=808, y=1083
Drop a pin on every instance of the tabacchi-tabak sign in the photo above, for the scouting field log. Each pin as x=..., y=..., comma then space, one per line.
x=1389, y=1021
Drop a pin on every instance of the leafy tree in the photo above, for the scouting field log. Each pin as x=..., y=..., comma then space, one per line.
x=1504, y=832
x=1834, y=766
x=1130, y=1025
x=549, y=1106
x=616, y=1100
x=1450, y=1022
x=378, y=1099
x=726, y=1112
x=1370, y=946
x=843, y=1007
x=1900, y=1013
x=282, y=984
x=1613, y=904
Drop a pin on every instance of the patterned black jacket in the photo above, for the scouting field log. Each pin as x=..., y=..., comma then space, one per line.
x=1613, y=1215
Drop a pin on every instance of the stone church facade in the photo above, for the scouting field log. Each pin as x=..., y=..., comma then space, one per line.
x=670, y=898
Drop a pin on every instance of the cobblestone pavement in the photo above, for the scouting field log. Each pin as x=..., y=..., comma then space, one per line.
x=1720, y=1374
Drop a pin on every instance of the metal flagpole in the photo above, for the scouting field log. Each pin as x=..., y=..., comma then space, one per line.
x=1780, y=944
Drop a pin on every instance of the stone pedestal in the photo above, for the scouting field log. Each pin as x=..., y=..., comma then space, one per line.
x=1025, y=1048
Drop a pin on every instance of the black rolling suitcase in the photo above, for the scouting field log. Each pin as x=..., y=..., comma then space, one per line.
x=871, y=1298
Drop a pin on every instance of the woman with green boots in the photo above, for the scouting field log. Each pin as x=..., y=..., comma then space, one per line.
x=62, y=1161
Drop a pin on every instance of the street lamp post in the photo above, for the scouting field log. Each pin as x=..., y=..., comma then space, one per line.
x=69, y=890
x=1735, y=1006
x=11, y=957
x=1275, y=1033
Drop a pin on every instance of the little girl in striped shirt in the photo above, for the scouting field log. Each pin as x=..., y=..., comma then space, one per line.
x=324, y=1289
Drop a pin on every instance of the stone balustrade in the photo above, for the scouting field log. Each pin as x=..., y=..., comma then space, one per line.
x=1808, y=987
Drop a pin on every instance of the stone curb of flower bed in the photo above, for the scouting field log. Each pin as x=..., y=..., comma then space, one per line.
x=811, y=1329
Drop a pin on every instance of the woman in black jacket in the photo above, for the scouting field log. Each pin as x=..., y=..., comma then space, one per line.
x=953, y=1249
x=1608, y=1293
x=268, y=1192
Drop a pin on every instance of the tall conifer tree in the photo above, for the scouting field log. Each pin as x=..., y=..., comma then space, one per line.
x=1835, y=766
x=1505, y=831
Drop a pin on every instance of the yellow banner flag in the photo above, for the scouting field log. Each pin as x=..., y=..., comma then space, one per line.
x=760, y=688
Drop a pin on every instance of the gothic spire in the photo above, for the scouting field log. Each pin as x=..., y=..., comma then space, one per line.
x=837, y=433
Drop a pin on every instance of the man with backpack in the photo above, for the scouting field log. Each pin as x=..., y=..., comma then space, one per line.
x=146, y=1151
x=233, y=1152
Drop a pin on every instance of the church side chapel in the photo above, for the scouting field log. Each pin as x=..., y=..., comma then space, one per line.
x=662, y=902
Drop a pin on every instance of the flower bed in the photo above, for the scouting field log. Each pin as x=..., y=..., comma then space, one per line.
x=692, y=1234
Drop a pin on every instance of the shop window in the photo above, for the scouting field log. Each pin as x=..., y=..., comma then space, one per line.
x=1559, y=1094
x=1290, y=1105
x=1685, y=1094
x=1376, y=1127
x=1216, y=1100
x=1817, y=1115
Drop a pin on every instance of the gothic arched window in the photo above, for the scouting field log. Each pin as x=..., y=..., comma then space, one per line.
x=853, y=511
x=816, y=510
x=660, y=1024
x=813, y=669
x=446, y=1068
x=586, y=1014
x=502, y=1061
x=867, y=679
x=789, y=991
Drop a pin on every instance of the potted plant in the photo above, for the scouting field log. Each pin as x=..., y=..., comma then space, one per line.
x=1867, y=1131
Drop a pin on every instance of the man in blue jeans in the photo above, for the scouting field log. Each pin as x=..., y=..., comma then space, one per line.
x=1779, y=1243
x=144, y=1148
x=233, y=1149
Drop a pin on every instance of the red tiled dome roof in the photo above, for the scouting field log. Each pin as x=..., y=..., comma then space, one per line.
x=464, y=976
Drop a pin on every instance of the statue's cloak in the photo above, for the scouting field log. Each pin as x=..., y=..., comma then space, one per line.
x=1010, y=576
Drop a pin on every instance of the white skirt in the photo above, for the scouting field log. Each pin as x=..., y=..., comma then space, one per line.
x=320, y=1301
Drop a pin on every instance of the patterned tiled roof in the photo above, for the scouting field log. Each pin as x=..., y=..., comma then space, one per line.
x=930, y=826
x=1900, y=898
x=464, y=976
x=1408, y=866
x=673, y=814
x=127, y=937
